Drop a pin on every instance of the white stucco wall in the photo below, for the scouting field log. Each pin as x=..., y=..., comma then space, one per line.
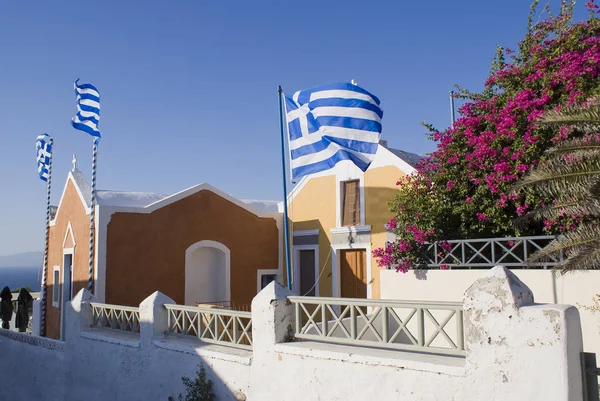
x=548, y=286
x=515, y=350
x=32, y=367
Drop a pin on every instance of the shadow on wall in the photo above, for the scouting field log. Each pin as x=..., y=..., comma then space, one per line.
x=377, y=211
x=63, y=295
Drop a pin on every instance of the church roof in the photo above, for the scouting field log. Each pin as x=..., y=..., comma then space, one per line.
x=128, y=199
x=411, y=158
x=144, y=199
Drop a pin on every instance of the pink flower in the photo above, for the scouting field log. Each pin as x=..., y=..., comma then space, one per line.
x=522, y=209
x=391, y=225
x=469, y=199
x=444, y=267
x=511, y=243
x=446, y=246
x=482, y=217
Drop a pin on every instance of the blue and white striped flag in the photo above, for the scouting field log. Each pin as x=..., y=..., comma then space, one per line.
x=88, y=109
x=43, y=146
x=331, y=123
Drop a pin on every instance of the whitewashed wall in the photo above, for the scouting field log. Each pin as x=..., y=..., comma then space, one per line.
x=33, y=368
x=515, y=350
x=548, y=286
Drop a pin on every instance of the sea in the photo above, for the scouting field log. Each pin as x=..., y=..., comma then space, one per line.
x=17, y=277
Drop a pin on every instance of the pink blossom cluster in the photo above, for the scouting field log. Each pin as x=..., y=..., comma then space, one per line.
x=496, y=140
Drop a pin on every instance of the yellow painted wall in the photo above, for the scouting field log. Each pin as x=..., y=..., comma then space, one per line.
x=314, y=208
x=380, y=187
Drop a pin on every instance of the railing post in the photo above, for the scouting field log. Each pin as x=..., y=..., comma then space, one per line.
x=298, y=318
x=216, y=319
x=234, y=328
x=200, y=322
x=384, y=322
x=460, y=338
x=462, y=251
x=435, y=253
x=324, y=328
x=420, y=327
x=353, y=322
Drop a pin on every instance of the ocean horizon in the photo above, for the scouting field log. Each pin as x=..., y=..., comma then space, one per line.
x=17, y=277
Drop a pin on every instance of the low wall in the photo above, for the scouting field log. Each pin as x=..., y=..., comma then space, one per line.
x=515, y=350
x=549, y=286
x=32, y=367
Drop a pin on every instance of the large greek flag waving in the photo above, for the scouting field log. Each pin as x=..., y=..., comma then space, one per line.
x=88, y=109
x=331, y=123
x=43, y=147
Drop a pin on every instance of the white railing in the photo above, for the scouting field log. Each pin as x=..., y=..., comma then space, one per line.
x=512, y=252
x=211, y=325
x=116, y=317
x=403, y=325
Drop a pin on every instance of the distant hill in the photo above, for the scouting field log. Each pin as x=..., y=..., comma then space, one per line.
x=26, y=259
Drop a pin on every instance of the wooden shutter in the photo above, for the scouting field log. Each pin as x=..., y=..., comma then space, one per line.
x=351, y=203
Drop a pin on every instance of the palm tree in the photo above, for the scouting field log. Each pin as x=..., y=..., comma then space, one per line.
x=571, y=176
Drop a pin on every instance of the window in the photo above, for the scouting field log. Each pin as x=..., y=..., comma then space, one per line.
x=307, y=261
x=56, y=287
x=266, y=279
x=350, y=203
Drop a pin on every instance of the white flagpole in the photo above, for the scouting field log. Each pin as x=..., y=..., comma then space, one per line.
x=93, y=215
x=47, y=243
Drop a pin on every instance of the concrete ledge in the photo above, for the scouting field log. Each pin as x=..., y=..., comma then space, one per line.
x=33, y=340
x=213, y=351
x=418, y=361
x=114, y=337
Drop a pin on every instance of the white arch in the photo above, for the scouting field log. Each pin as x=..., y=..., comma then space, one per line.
x=189, y=264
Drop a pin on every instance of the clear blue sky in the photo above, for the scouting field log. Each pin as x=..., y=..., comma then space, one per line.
x=189, y=87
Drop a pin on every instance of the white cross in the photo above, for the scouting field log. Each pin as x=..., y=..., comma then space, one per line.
x=74, y=161
x=43, y=153
x=301, y=112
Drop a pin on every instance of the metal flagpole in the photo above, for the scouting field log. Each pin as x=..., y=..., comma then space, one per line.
x=452, y=107
x=47, y=244
x=285, y=206
x=93, y=215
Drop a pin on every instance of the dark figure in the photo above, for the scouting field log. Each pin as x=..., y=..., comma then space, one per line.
x=23, y=303
x=6, y=308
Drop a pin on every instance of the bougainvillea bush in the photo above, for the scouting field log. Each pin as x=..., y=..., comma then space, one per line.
x=464, y=188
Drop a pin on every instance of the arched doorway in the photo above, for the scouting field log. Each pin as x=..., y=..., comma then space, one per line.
x=207, y=273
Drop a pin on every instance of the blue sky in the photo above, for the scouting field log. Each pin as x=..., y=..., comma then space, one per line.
x=189, y=87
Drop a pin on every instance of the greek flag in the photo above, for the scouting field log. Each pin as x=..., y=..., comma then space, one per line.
x=43, y=146
x=88, y=109
x=331, y=123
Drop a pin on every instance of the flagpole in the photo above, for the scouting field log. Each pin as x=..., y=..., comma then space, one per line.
x=285, y=206
x=47, y=243
x=93, y=215
x=452, y=108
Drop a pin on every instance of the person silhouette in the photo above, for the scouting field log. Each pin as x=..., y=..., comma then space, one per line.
x=6, y=307
x=23, y=302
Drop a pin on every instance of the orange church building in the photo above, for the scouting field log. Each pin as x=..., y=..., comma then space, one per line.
x=196, y=246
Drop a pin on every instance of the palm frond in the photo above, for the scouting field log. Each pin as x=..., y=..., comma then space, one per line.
x=574, y=116
x=575, y=145
x=586, y=258
x=573, y=243
x=581, y=207
x=555, y=178
x=595, y=192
